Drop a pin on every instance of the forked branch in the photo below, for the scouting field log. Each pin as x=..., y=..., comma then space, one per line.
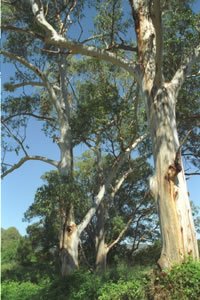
x=53, y=38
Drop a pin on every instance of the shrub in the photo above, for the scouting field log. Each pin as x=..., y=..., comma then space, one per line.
x=85, y=285
x=19, y=291
x=87, y=288
x=122, y=290
x=81, y=285
x=182, y=282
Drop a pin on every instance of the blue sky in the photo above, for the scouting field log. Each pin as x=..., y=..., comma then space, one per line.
x=18, y=189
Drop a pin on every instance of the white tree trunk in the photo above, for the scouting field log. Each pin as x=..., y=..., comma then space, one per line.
x=101, y=247
x=101, y=256
x=69, y=242
x=69, y=237
x=168, y=184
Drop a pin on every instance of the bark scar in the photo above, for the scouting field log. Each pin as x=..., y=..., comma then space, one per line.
x=174, y=168
x=71, y=228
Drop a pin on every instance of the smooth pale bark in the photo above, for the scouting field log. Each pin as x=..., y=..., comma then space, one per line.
x=69, y=237
x=101, y=247
x=69, y=241
x=27, y=158
x=168, y=185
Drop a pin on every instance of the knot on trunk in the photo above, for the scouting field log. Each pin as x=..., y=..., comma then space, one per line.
x=171, y=173
x=174, y=168
x=70, y=228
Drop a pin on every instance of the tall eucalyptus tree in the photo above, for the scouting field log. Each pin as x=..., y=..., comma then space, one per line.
x=54, y=103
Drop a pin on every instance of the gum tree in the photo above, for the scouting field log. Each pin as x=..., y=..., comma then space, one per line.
x=54, y=103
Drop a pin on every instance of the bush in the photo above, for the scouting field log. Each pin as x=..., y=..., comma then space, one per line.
x=119, y=283
x=19, y=291
x=182, y=282
x=15, y=272
x=122, y=290
x=81, y=285
x=88, y=288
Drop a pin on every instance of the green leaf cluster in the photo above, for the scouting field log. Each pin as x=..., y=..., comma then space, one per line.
x=12, y=290
x=10, y=239
x=122, y=290
x=182, y=282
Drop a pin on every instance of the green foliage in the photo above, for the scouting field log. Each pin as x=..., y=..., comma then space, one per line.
x=182, y=282
x=9, y=242
x=59, y=193
x=122, y=290
x=180, y=35
x=121, y=282
x=17, y=257
x=95, y=106
x=19, y=291
x=180, y=32
x=25, y=255
x=118, y=224
x=148, y=255
x=81, y=285
x=110, y=20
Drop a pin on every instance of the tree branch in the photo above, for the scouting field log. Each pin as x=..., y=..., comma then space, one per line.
x=93, y=37
x=123, y=155
x=122, y=46
x=41, y=75
x=15, y=138
x=184, y=70
x=27, y=114
x=24, y=62
x=111, y=245
x=117, y=164
x=120, y=182
x=136, y=232
x=191, y=174
x=157, y=22
x=71, y=8
x=11, y=87
x=93, y=209
x=53, y=38
x=25, y=31
x=26, y=158
x=128, y=223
